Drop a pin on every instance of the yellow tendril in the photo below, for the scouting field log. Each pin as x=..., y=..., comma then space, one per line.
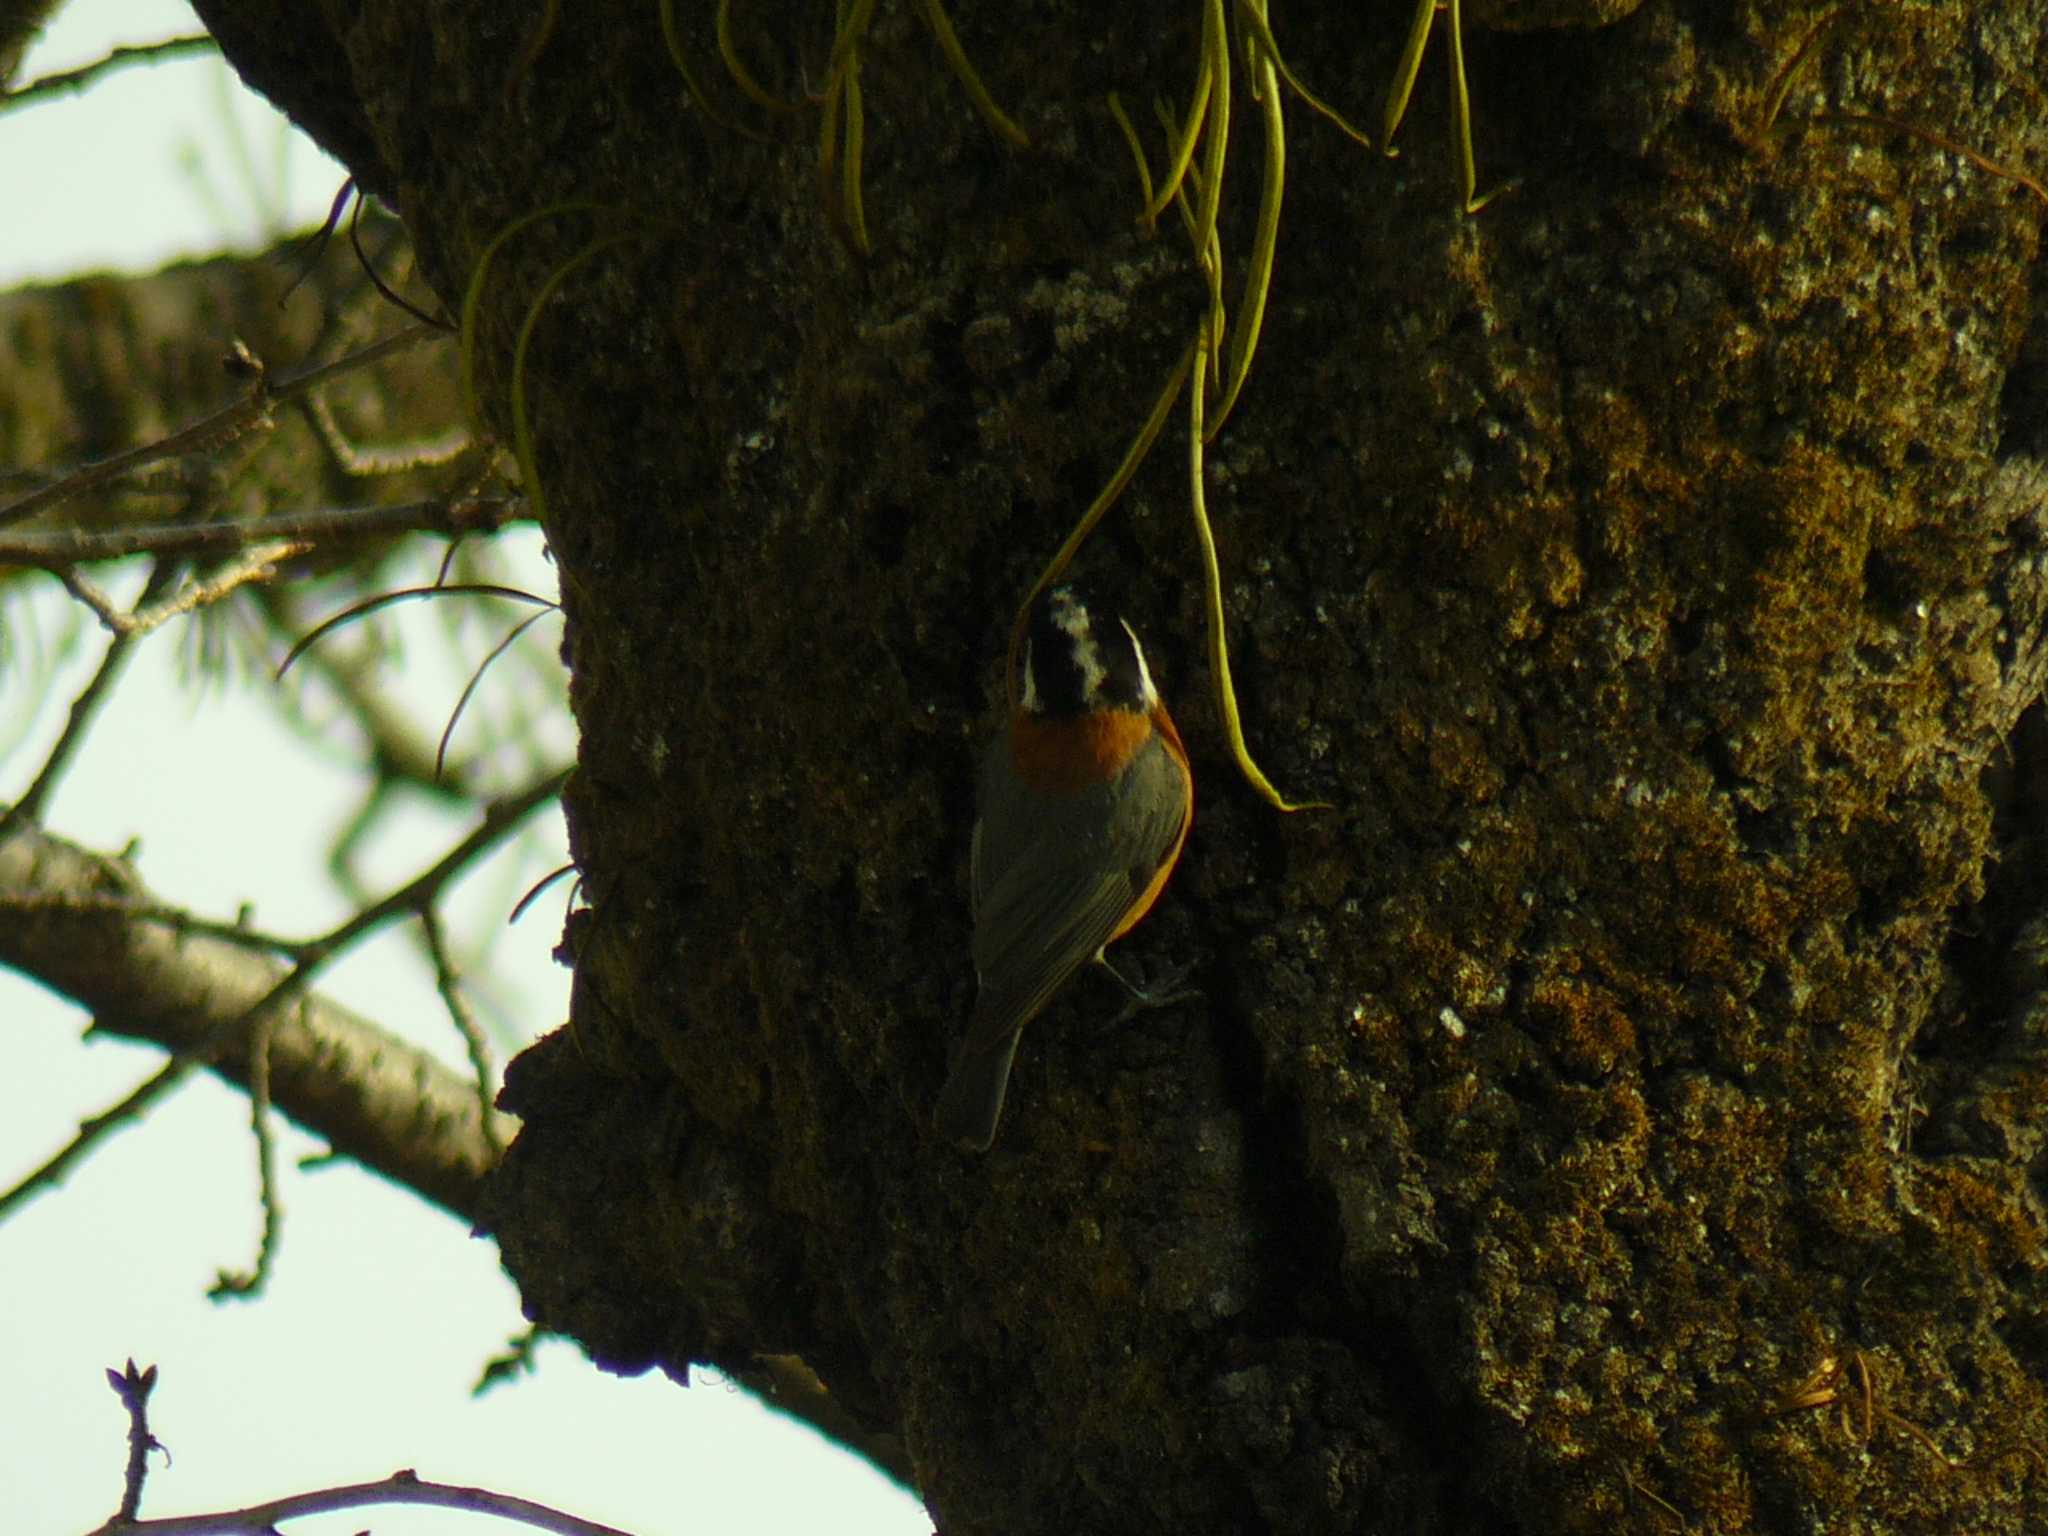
x=1258, y=275
x=949, y=44
x=1219, y=645
x=849, y=171
x=1216, y=64
x=1461, y=97
x=1404, y=74
x=742, y=77
x=522, y=430
x=536, y=45
x=853, y=26
x=841, y=103
x=1208, y=258
x=1253, y=18
x=1116, y=110
x=1133, y=457
x=1181, y=142
x=472, y=296
x=672, y=35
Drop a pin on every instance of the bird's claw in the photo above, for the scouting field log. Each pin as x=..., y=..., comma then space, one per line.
x=1163, y=990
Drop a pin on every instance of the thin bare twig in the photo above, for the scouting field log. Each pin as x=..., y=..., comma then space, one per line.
x=396, y=751
x=83, y=708
x=133, y=1387
x=394, y=459
x=1657, y=1500
x=1983, y=162
x=89, y=595
x=118, y=58
x=306, y=253
x=476, y=677
x=500, y=819
x=1781, y=83
x=449, y=983
x=240, y=1287
x=30, y=806
x=259, y=564
x=534, y=892
x=385, y=291
x=26, y=905
x=370, y=605
x=1780, y=88
x=399, y=1488
x=252, y=412
x=1824, y=1389
x=60, y=548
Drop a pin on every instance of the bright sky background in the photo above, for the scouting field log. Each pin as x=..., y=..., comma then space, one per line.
x=381, y=1312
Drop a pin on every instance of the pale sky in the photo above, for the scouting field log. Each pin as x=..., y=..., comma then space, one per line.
x=381, y=1312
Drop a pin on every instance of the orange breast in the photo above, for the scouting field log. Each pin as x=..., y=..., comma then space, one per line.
x=1064, y=757
x=1163, y=722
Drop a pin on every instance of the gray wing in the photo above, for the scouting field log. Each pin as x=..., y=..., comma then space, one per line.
x=1052, y=879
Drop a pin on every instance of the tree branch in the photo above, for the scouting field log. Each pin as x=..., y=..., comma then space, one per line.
x=83, y=710
x=118, y=58
x=256, y=565
x=404, y=1487
x=254, y=411
x=84, y=925
x=61, y=548
x=133, y=1387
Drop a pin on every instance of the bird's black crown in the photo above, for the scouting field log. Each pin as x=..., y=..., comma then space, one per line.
x=1080, y=656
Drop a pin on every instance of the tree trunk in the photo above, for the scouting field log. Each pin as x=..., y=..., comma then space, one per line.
x=1647, y=567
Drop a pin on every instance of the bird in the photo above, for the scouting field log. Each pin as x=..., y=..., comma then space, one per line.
x=1085, y=799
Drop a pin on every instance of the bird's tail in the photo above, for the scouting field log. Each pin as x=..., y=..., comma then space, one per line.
x=973, y=1098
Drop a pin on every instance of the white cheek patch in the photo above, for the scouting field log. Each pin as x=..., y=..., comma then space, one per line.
x=1146, y=691
x=1072, y=619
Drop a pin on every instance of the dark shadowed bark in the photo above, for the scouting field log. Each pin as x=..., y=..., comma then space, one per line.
x=1650, y=570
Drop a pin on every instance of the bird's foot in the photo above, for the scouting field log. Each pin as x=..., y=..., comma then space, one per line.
x=1163, y=989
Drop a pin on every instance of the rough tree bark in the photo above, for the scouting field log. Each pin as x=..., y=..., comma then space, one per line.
x=1650, y=570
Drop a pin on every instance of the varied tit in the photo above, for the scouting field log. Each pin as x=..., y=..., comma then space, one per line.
x=1085, y=802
